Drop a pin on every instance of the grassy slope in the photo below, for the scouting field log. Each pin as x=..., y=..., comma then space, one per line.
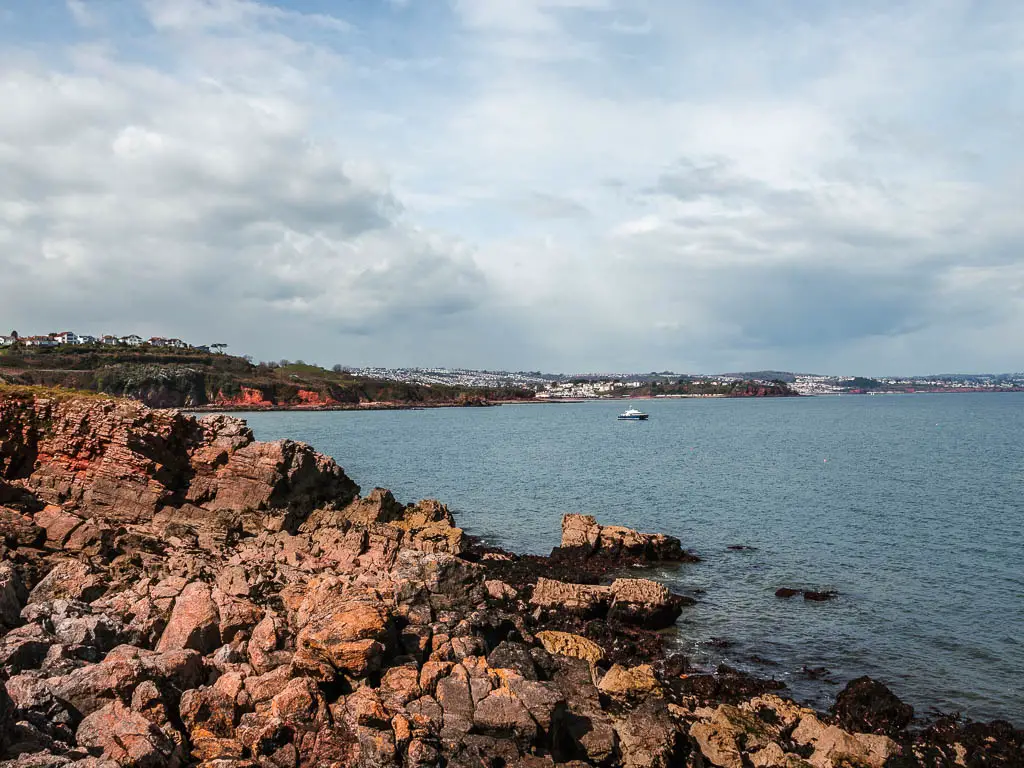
x=187, y=378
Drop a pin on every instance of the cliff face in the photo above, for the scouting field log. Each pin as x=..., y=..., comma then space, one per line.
x=174, y=593
x=126, y=464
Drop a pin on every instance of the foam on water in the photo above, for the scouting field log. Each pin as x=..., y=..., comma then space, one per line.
x=910, y=506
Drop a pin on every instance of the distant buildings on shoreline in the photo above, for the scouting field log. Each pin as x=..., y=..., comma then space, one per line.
x=590, y=386
x=70, y=338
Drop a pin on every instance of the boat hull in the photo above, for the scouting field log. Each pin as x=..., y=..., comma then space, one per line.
x=642, y=417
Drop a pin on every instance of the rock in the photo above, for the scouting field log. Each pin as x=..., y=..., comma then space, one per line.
x=340, y=635
x=645, y=603
x=24, y=648
x=568, y=644
x=127, y=738
x=264, y=648
x=587, y=727
x=515, y=657
x=579, y=599
x=299, y=702
x=6, y=718
x=582, y=534
x=347, y=638
x=647, y=736
x=18, y=530
x=194, y=622
x=868, y=706
x=820, y=597
x=235, y=614
x=502, y=715
x=833, y=745
x=499, y=590
x=717, y=745
x=70, y=579
x=786, y=592
x=399, y=686
x=12, y=596
x=57, y=524
x=625, y=683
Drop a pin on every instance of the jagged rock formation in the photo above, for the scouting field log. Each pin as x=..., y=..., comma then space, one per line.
x=583, y=537
x=174, y=593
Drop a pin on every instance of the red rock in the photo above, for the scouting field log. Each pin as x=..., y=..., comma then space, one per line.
x=399, y=686
x=127, y=738
x=264, y=645
x=70, y=579
x=194, y=622
x=300, y=701
x=347, y=637
x=208, y=713
x=235, y=614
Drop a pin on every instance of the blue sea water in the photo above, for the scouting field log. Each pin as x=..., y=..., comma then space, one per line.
x=911, y=506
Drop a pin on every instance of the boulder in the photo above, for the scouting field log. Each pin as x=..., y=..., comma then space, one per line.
x=116, y=733
x=71, y=579
x=502, y=715
x=587, y=727
x=194, y=622
x=833, y=746
x=19, y=530
x=644, y=603
x=647, y=736
x=568, y=644
x=583, y=600
x=24, y=648
x=582, y=535
x=868, y=706
x=349, y=638
x=57, y=524
x=629, y=682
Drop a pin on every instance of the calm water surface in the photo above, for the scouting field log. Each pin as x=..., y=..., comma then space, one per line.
x=912, y=507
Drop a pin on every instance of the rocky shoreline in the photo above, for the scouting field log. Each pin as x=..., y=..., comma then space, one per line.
x=174, y=593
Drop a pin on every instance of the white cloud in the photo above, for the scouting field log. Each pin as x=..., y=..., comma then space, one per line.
x=604, y=184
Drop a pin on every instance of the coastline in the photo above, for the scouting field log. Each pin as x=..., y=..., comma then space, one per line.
x=259, y=609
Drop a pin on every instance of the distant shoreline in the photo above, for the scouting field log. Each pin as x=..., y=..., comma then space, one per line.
x=395, y=406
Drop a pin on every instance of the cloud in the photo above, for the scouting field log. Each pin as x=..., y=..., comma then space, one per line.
x=596, y=183
x=136, y=200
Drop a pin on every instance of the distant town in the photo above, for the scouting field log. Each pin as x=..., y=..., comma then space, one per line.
x=580, y=386
x=70, y=338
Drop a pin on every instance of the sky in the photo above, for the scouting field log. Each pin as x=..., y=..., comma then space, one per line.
x=557, y=185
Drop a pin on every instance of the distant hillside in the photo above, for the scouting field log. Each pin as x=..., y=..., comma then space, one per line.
x=171, y=378
x=785, y=376
x=712, y=388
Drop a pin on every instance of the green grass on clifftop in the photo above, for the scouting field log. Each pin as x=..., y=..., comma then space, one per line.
x=169, y=378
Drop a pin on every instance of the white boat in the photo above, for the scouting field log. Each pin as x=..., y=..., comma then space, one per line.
x=632, y=414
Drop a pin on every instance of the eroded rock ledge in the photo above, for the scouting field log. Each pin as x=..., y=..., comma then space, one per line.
x=174, y=593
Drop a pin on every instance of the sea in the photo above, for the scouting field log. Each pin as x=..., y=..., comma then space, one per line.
x=911, y=507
